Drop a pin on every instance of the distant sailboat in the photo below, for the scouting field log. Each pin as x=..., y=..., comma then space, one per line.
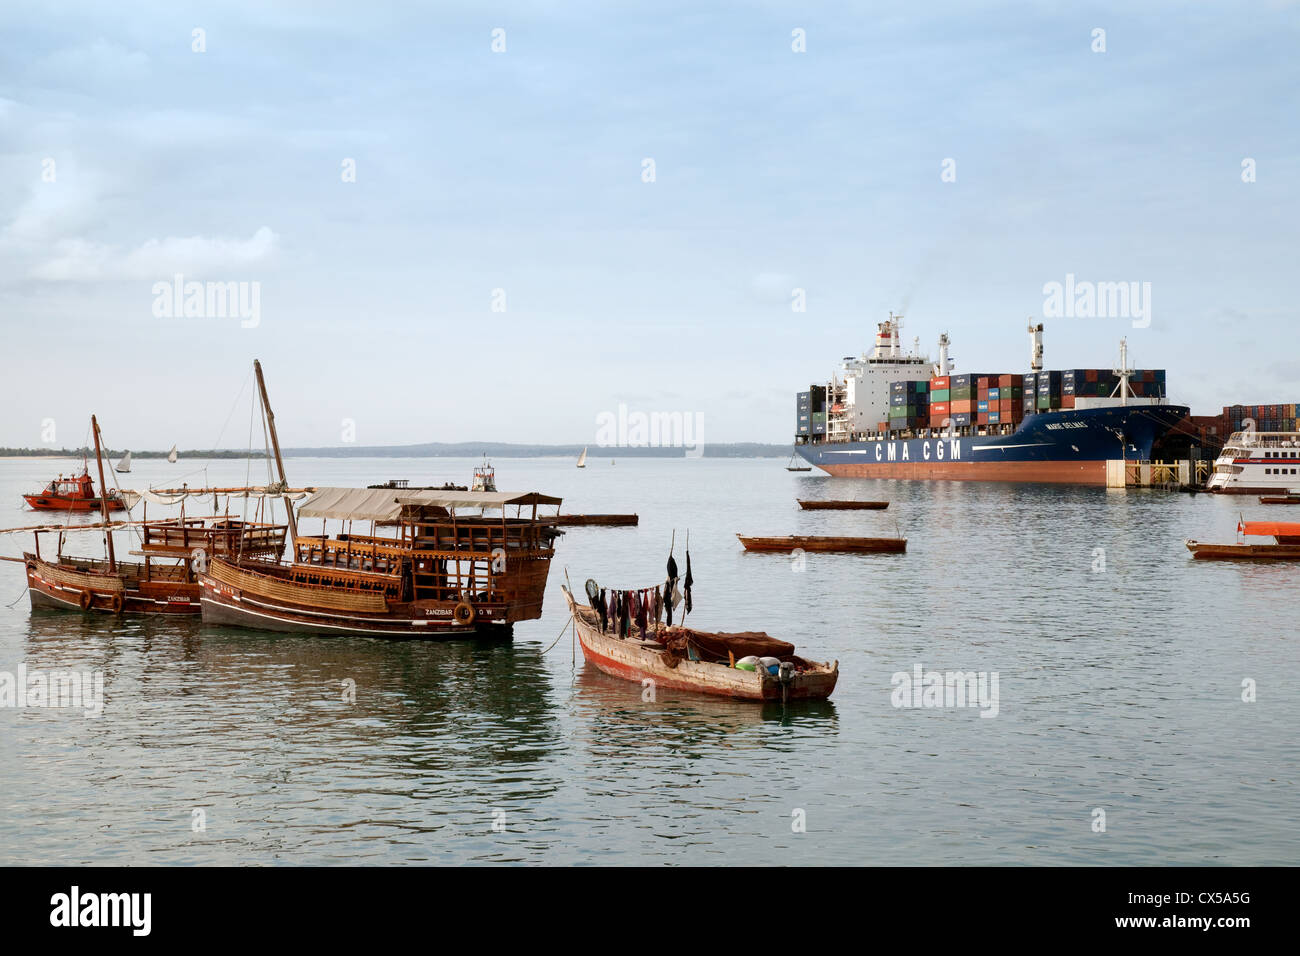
x=124, y=465
x=582, y=459
x=172, y=456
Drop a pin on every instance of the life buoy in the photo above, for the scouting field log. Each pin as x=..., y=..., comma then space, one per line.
x=86, y=599
x=464, y=613
x=117, y=602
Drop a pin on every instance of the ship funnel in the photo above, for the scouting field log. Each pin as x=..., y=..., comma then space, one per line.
x=1035, y=346
x=943, y=366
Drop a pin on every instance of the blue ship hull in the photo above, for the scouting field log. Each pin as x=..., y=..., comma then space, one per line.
x=1068, y=446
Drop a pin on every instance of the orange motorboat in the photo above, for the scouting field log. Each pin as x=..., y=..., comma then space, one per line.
x=73, y=494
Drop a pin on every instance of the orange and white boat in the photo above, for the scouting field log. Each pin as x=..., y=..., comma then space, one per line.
x=76, y=493
x=1285, y=547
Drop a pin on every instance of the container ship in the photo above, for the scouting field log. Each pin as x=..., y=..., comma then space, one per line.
x=891, y=414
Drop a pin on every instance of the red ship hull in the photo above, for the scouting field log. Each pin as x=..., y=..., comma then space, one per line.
x=1044, y=472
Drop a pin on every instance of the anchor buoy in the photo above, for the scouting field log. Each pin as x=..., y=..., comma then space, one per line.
x=86, y=599
x=117, y=602
x=464, y=613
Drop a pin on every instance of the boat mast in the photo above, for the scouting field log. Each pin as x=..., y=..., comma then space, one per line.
x=103, y=497
x=275, y=445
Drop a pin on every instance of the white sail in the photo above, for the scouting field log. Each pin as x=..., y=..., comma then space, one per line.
x=172, y=456
x=124, y=465
x=582, y=459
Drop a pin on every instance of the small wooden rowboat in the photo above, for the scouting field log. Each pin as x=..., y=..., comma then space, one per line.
x=837, y=504
x=804, y=542
x=1286, y=546
x=604, y=521
x=1279, y=500
x=678, y=658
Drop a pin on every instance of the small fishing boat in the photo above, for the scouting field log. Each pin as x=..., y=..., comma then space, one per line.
x=792, y=542
x=124, y=466
x=582, y=459
x=791, y=466
x=1279, y=500
x=1286, y=546
x=606, y=521
x=73, y=494
x=833, y=504
x=703, y=662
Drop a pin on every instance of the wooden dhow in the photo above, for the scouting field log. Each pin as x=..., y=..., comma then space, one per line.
x=679, y=658
x=438, y=572
x=435, y=572
x=174, y=551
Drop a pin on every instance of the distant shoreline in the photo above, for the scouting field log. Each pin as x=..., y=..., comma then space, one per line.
x=430, y=450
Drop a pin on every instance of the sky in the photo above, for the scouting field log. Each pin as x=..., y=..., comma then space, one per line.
x=451, y=242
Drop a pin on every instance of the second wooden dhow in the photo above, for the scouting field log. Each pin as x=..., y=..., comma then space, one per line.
x=435, y=564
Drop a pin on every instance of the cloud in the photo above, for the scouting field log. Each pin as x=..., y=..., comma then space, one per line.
x=81, y=260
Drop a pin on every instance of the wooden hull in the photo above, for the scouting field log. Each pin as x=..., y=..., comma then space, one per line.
x=244, y=596
x=838, y=505
x=66, y=587
x=788, y=543
x=1244, y=552
x=632, y=660
x=1280, y=500
x=56, y=503
x=605, y=521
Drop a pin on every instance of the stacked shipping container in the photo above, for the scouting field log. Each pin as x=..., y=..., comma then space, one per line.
x=909, y=405
x=1267, y=418
x=811, y=411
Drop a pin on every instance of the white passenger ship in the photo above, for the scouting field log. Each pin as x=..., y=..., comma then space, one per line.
x=1257, y=462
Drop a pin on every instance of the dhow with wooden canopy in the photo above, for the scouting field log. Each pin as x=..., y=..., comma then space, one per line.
x=437, y=572
x=448, y=566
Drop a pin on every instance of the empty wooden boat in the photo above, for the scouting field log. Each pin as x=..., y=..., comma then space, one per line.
x=1279, y=500
x=838, y=504
x=702, y=662
x=605, y=521
x=1286, y=546
x=803, y=542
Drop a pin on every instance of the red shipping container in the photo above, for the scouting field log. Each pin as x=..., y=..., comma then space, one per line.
x=940, y=382
x=1090, y=375
x=982, y=418
x=982, y=382
x=1067, y=401
x=1006, y=405
x=1004, y=381
x=938, y=409
x=963, y=408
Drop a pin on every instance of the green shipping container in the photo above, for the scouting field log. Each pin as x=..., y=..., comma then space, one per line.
x=940, y=395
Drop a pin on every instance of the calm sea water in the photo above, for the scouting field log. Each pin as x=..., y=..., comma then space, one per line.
x=1120, y=689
